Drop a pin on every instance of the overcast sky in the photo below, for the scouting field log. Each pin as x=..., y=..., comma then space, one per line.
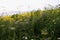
x=25, y=5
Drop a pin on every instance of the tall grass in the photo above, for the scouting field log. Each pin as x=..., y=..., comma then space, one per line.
x=36, y=25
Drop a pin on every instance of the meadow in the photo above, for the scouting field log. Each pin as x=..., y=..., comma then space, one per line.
x=34, y=25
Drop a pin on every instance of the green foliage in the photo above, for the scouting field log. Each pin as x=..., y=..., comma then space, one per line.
x=37, y=25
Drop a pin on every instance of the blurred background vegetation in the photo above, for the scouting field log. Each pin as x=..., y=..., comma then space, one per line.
x=34, y=25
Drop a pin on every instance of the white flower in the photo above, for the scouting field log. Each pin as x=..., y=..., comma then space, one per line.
x=58, y=38
x=12, y=28
x=32, y=39
x=26, y=38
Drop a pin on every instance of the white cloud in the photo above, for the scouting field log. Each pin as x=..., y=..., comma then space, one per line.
x=25, y=5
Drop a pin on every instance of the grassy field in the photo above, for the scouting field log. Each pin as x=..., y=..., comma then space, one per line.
x=34, y=25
